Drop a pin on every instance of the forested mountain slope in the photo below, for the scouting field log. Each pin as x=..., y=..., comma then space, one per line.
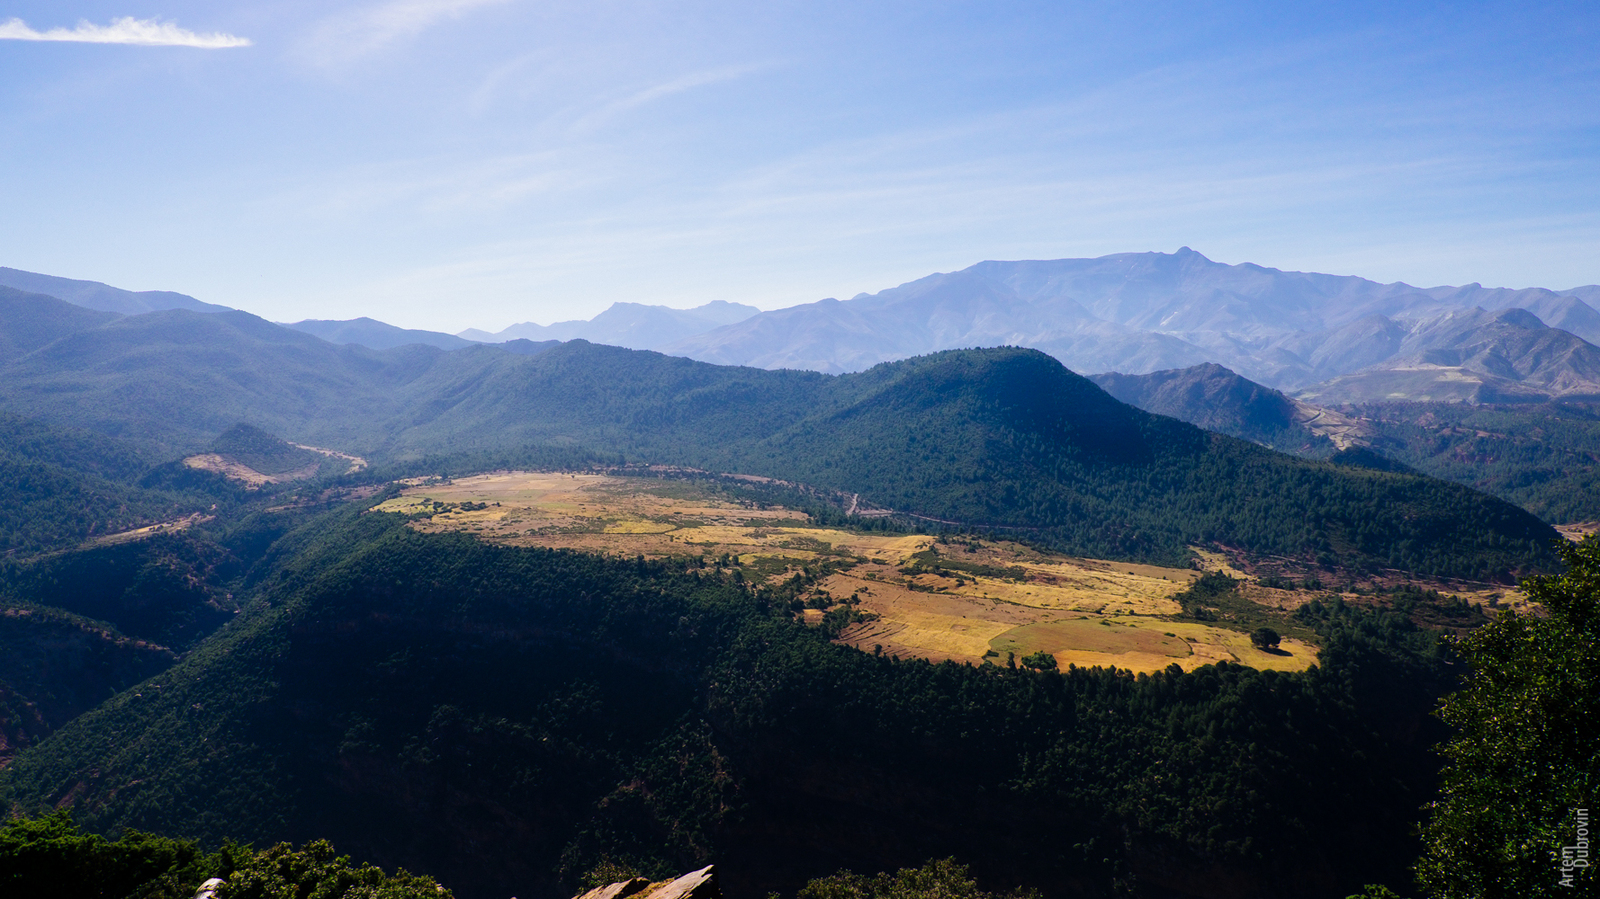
x=1002, y=438
x=507, y=718
x=28, y=321
x=95, y=295
x=1214, y=398
x=1544, y=457
x=376, y=335
x=997, y=438
x=62, y=486
x=174, y=380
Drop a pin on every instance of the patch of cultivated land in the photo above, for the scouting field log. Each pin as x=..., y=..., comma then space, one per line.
x=966, y=600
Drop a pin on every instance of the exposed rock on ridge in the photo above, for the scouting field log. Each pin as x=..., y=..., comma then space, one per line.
x=701, y=884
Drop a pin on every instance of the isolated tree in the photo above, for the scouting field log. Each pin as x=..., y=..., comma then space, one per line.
x=1265, y=638
x=1524, y=772
x=1041, y=660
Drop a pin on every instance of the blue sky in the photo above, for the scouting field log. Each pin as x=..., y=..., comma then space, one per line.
x=473, y=163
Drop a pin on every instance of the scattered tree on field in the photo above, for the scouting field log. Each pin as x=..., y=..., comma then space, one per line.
x=1265, y=638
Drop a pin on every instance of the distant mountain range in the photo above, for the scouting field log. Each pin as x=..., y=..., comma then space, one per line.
x=1327, y=339
x=632, y=325
x=376, y=335
x=1142, y=312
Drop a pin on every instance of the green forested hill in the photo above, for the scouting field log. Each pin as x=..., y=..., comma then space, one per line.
x=173, y=380
x=1217, y=399
x=264, y=452
x=1544, y=457
x=29, y=321
x=999, y=438
x=505, y=719
x=1009, y=437
x=55, y=666
x=1004, y=438
x=62, y=486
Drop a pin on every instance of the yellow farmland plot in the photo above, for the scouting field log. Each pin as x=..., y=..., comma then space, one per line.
x=968, y=601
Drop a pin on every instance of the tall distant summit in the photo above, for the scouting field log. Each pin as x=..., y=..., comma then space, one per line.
x=1137, y=313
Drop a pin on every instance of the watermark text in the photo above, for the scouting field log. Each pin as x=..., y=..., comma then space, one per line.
x=1576, y=856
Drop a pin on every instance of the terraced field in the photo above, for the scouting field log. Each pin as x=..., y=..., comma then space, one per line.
x=978, y=601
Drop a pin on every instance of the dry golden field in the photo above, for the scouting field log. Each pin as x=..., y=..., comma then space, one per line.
x=979, y=601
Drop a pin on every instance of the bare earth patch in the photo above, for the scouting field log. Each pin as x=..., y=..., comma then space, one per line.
x=1578, y=530
x=164, y=527
x=234, y=470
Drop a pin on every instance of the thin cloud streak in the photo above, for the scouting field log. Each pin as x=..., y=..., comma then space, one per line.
x=342, y=39
x=676, y=86
x=126, y=30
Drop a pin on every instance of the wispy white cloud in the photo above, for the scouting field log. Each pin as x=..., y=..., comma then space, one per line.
x=126, y=30
x=667, y=89
x=491, y=85
x=344, y=38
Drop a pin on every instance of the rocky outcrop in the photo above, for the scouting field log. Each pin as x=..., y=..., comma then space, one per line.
x=701, y=884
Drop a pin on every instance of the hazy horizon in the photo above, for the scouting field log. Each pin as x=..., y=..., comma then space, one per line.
x=446, y=164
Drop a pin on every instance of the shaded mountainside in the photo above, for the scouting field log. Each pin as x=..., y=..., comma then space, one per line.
x=508, y=718
x=54, y=666
x=62, y=486
x=1212, y=397
x=78, y=626
x=29, y=321
x=168, y=589
x=95, y=295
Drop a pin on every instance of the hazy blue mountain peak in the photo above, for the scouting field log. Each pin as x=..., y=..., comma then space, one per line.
x=95, y=295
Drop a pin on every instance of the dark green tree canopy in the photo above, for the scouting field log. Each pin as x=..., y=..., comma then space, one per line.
x=1524, y=772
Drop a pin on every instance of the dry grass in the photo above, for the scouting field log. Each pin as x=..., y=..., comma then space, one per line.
x=1086, y=612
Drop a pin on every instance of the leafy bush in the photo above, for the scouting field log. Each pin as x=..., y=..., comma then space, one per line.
x=49, y=857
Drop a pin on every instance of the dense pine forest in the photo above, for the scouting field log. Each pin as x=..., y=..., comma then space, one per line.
x=475, y=712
